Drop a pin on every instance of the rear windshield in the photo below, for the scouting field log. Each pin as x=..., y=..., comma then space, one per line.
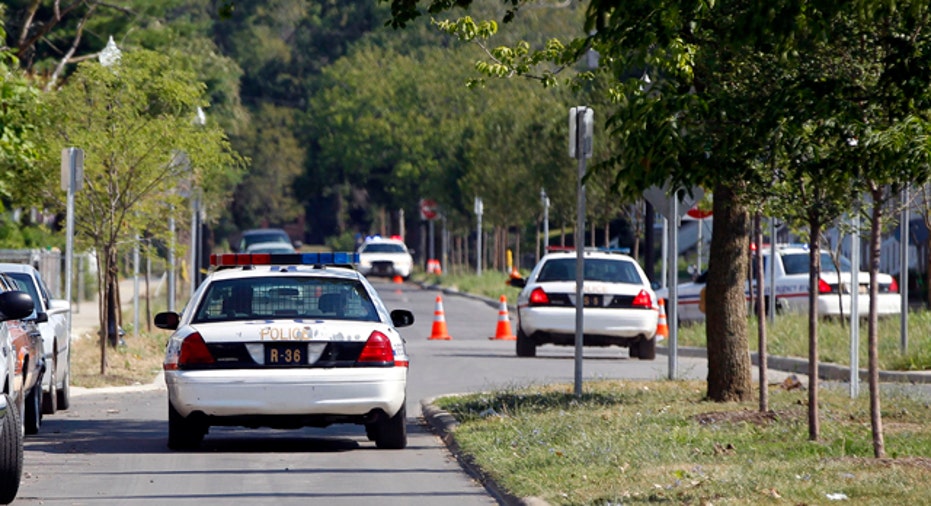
x=383, y=247
x=265, y=237
x=285, y=297
x=797, y=263
x=612, y=271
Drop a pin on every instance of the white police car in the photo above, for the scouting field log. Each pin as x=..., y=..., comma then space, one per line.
x=790, y=280
x=379, y=256
x=619, y=309
x=286, y=341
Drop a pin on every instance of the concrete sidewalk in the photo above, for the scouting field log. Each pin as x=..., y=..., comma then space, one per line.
x=85, y=316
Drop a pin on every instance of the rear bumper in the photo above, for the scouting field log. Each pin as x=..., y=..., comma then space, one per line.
x=600, y=327
x=323, y=393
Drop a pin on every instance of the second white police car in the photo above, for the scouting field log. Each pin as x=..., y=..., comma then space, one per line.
x=619, y=306
x=286, y=341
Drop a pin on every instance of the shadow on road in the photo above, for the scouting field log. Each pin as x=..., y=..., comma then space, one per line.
x=75, y=436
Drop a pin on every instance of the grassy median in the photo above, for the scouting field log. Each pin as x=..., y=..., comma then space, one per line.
x=649, y=442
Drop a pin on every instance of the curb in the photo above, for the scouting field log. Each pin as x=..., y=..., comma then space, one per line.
x=444, y=424
x=157, y=384
x=826, y=371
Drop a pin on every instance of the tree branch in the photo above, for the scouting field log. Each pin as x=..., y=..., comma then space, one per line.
x=74, y=47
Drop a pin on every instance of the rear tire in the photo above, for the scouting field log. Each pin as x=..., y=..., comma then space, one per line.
x=646, y=349
x=32, y=417
x=64, y=393
x=525, y=346
x=50, y=398
x=11, y=453
x=183, y=434
x=391, y=434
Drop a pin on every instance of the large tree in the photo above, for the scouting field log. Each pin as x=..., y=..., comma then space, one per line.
x=19, y=127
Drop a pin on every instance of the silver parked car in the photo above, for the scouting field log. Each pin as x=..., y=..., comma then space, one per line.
x=56, y=335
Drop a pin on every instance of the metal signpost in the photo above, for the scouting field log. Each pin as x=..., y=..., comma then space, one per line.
x=672, y=205
x=72, y=180
x=581, y=127
x=904, y=238
x=855, y=306
x=479, y=210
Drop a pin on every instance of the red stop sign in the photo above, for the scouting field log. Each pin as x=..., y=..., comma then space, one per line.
x=698, y=214
x=427, y=209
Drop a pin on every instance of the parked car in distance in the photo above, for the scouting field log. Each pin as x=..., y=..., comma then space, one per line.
x=619, y=306
x=18, y=379
x=264, y=235
x=56, y=335
x=286, y=341
x=270, y=247
x=791, y=266
x=380, y=256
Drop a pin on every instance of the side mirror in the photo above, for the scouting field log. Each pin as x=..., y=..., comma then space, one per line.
x=402, y=318
x=59, y=304
x=517, y=282
x=15, y=305
x=41, y=317
x=167, y=320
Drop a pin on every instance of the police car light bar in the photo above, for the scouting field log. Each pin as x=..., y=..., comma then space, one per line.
x=319, y=258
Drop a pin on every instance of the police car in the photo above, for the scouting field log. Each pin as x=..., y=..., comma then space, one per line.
x=380, y=256
x=619, y=306
x=286, y=341
x=791, y=286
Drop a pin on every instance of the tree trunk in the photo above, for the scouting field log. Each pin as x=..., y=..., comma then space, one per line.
x=112, y=296
x=148, y=303
x=729, y=366
x=516, y=258
x=879, y=446
x=814, y=274
x=101, y=308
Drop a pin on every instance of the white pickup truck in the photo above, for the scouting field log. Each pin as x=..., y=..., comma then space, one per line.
x=56, y=336
x=791, y=284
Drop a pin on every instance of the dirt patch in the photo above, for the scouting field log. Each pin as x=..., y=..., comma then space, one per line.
x=923, y=463
x=758, y=418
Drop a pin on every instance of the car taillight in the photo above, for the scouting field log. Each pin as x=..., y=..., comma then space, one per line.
x=538, y=297
x=894, y=286
x=643, y=299
x=377, y=350
x=823, y=286
x=193, y=351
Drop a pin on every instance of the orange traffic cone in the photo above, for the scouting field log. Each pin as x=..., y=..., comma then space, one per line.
x=398, y=279
x=439, y=322
x=662, y=329
x=503, y=332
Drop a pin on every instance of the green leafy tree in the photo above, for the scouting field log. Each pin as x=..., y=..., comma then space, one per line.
x=135, y=122
x=266, y=195
x=19, y=123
